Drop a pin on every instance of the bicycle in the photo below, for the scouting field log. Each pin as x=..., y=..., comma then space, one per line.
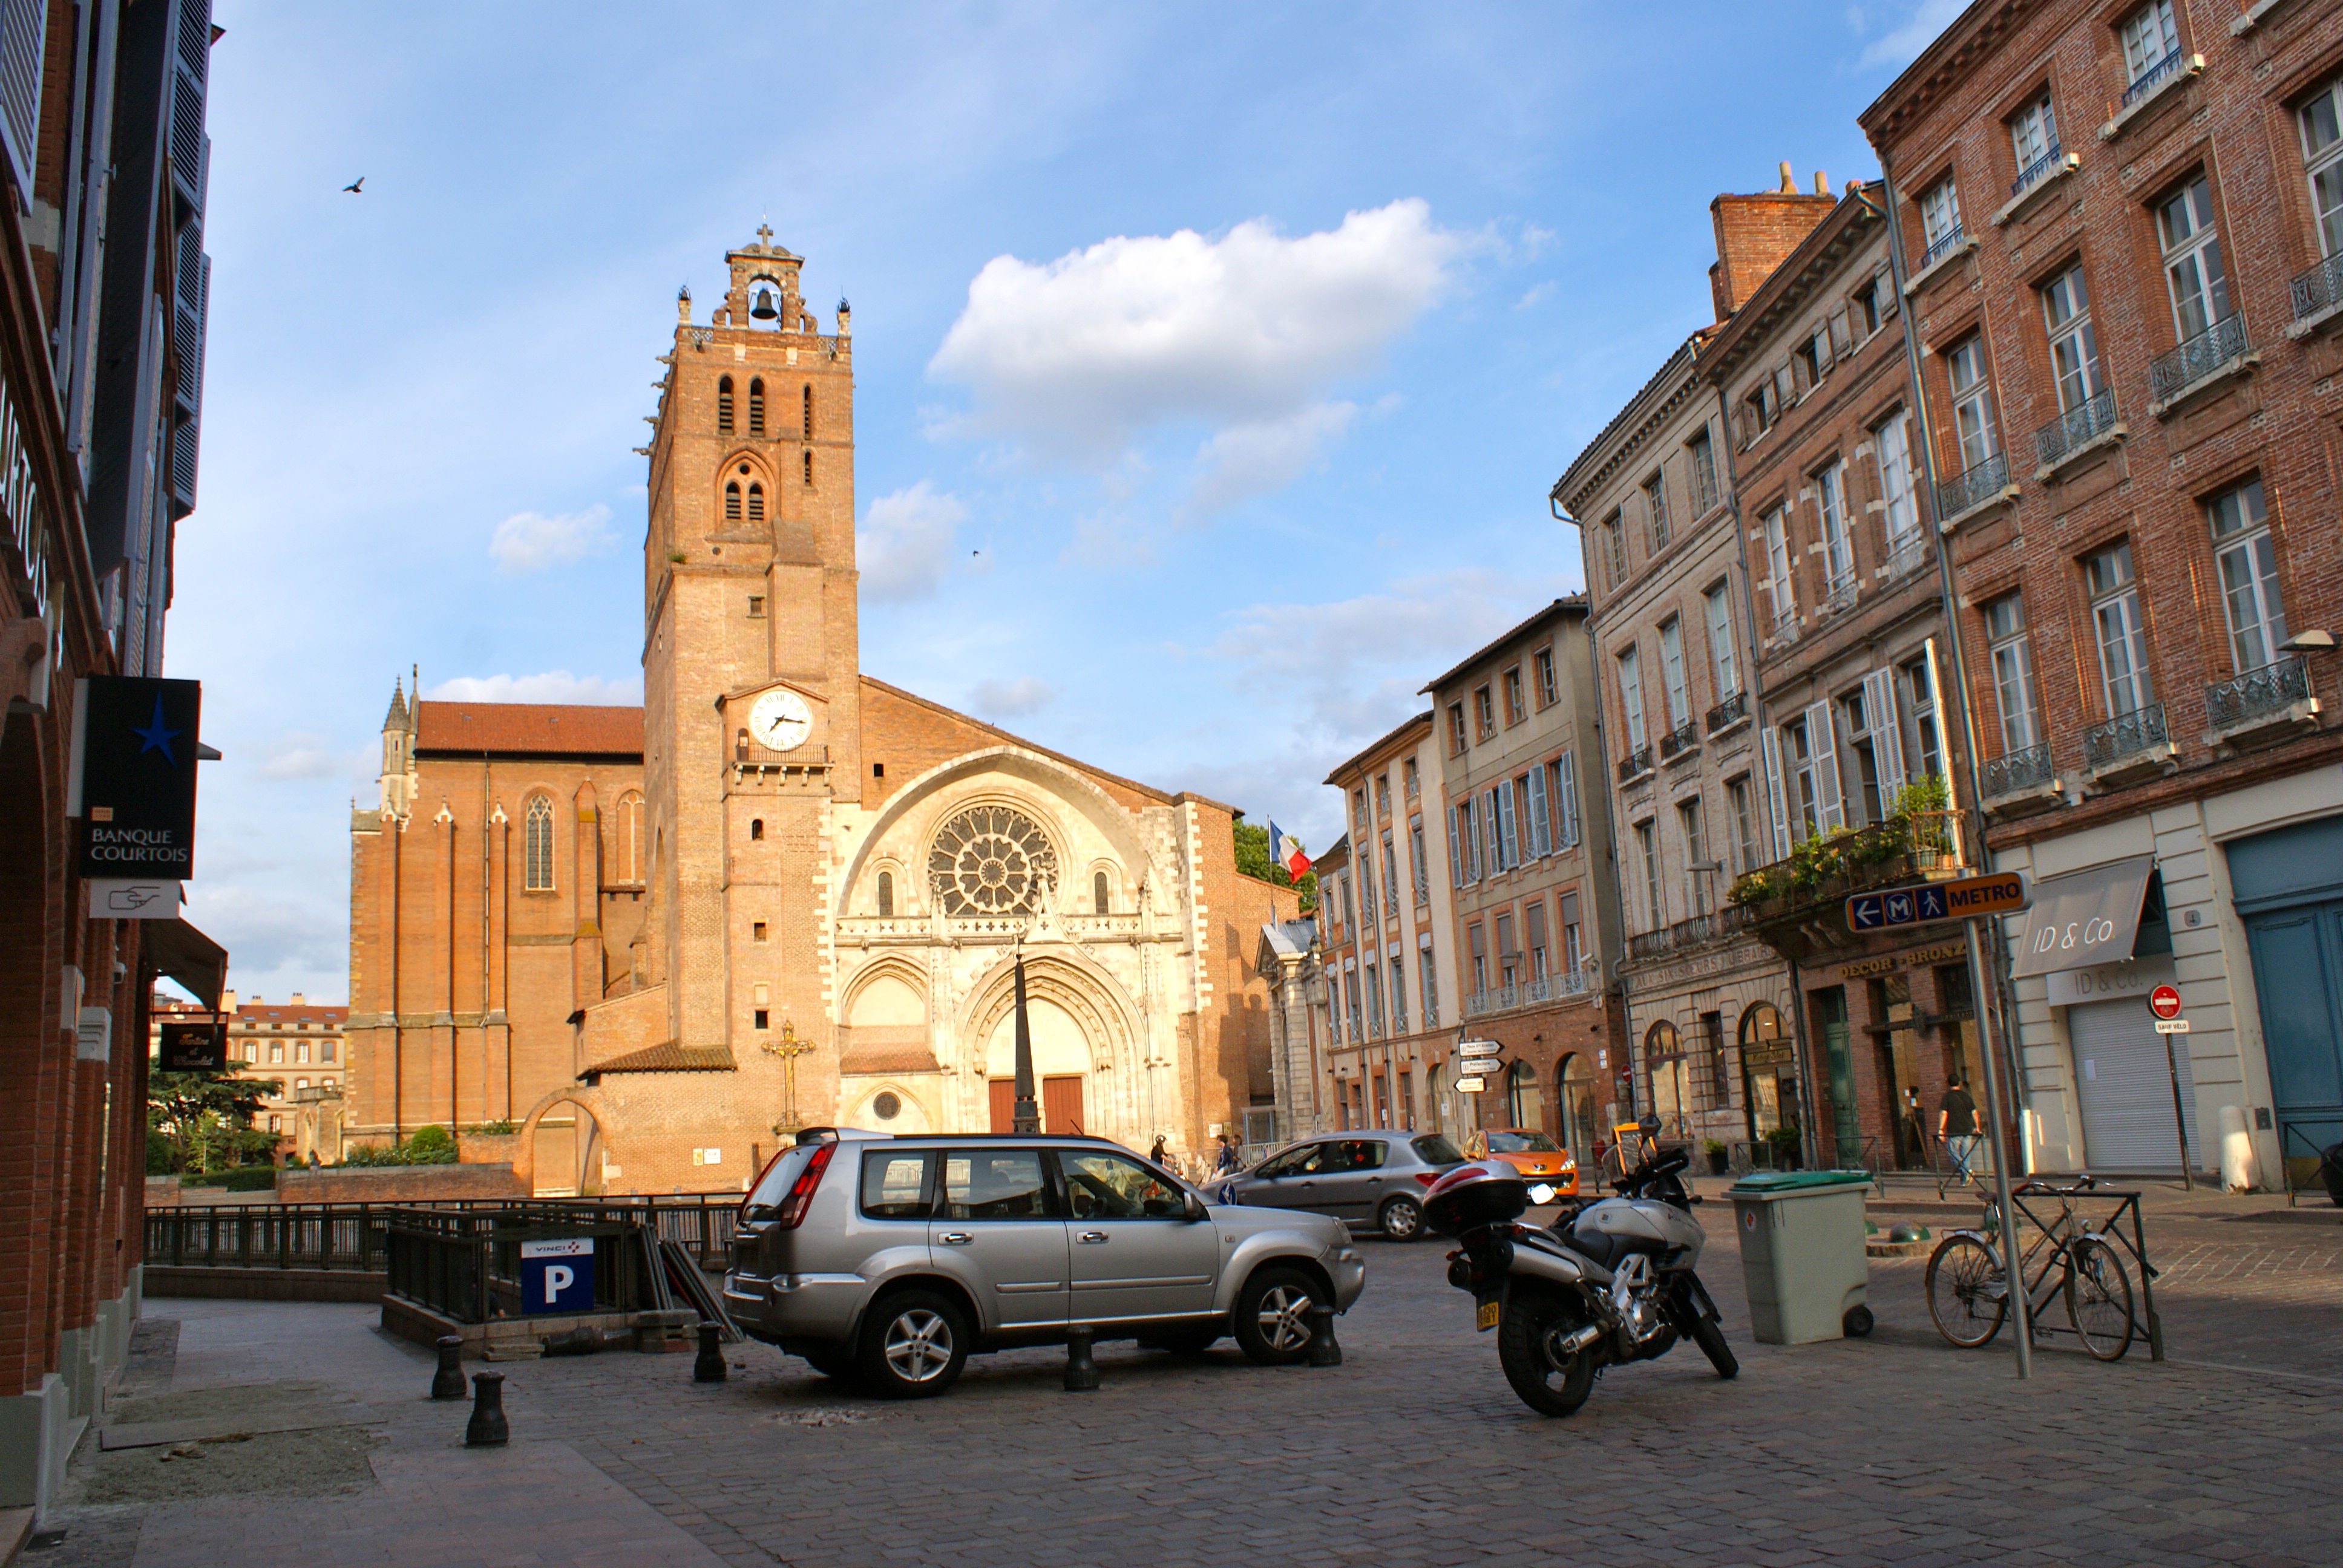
x=1968, y=1292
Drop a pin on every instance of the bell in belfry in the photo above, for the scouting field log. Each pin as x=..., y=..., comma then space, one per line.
x=764, y=308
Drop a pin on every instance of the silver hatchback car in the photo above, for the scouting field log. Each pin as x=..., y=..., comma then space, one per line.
x=1366, y=1177
x=891, y=1259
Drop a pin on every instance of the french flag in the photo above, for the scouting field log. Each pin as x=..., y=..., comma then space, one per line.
x=1286, y=850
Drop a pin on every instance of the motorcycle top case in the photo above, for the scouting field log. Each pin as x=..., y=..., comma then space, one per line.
x=1486, y=1193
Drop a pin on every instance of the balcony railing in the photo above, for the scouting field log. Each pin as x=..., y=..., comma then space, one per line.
x=1951, y=240
x=1908, y=554
x=1842, y=592
x=2258, y=694
x=1683, y=738
x=2015, y=770
x=1729, y=712
x=2147, y=81
x=2076, y=427
x=1985, y=478
x=2124, y=734
x=2320, y=289
x=2198, y=357
x=2035, y=170
x=1698, y=931
x=1636, y=764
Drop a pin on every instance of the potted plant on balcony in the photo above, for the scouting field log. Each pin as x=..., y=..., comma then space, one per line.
x=1782, y=1143
x=1716, y=1156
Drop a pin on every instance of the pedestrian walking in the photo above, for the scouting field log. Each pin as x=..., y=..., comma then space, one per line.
x=1229, y=1162
x=1957, y=1127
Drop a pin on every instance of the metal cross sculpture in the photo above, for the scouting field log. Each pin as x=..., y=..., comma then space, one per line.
x=788, y=1048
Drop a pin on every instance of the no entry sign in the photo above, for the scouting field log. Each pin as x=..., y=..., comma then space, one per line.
x=2164, y=1001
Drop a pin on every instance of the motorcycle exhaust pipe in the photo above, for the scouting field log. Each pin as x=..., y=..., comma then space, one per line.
x=1572, y=1343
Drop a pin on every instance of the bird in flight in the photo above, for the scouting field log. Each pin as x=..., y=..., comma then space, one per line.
x=353, y=187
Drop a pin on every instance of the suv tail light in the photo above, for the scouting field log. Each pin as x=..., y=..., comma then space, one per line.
x=793, y=1212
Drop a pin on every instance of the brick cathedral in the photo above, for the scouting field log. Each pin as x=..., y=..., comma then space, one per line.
x=652, y=942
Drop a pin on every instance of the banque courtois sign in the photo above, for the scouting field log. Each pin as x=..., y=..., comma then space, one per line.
x=136, y=741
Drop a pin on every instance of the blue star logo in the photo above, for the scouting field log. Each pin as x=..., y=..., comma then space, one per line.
x=155, y=736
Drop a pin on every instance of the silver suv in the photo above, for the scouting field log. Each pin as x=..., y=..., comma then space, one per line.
x=891, y=1259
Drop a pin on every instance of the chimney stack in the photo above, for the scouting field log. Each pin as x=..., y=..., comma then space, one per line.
x=1789, y=180
x=1755, y=233
x=1821, y=183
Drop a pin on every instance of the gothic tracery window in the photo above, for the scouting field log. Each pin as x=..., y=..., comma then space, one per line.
x=732, y=501
x=536, y=845
x=991, y=861
x=755, y=502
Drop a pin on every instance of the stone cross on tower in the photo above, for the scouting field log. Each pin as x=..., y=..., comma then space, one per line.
x=765, y=235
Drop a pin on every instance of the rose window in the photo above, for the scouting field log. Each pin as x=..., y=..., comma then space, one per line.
x=990, y=860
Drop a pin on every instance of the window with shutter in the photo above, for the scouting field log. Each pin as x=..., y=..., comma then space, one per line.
x=1771, y=747
x=1880, y=717
x=1823, y=737
x=1503, y=795
x=1565, y=798
x=23, y=33
x=1455, y=856
x=1541, y=833
x=1494, y=855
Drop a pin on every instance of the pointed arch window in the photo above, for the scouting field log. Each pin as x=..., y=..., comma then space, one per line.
x=724, y=403
x=1099, y=900
x=886, y=893
x=808, y=412
x=629, y=847
x=536, y=845
x=732, y=501
x=757, y=407
x=755, y=502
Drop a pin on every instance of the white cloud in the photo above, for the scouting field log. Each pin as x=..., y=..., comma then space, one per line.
x=531, y=541
x=1901, y=45
x=557, y=686
x=1010, y=699
x=1079, y=357
x=905, y=545
x=313, y=756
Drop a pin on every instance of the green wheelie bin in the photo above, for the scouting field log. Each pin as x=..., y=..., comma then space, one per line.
x=1802, y=1253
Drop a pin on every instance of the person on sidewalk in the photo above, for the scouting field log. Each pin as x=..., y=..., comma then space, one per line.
x=1159, y=1156
x=1957, y=1127
x=1228, y=1161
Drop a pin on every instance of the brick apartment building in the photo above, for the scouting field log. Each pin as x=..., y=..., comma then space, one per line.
x=104, y=300
x=1813, y=371
x=781, y=893
x=295, y=1049
x=1517, y=727
x=1388, y=952
x=1707, y=1007
x=2119, y=231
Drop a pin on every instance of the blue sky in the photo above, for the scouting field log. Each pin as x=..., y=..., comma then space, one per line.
x=1213, y=361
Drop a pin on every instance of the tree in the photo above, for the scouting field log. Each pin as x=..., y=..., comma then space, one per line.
x=205, y=1118
x=1253, y=859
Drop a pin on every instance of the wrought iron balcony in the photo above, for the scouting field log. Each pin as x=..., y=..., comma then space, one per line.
x=1842, y=592
x=2200, y=356
x=2318, y=290
x=1636, y=764
x=1908, y=554
x=1536, y=990
x=2126, y=734
x=2076, y=428
x=1728, y=713
x=1696, y=932
x=2014, y=771
x=2036, y=170
x=2258, y=696
x=1981, y=480
x=1683, y=738
x=1951, y=240
x=2155, y=76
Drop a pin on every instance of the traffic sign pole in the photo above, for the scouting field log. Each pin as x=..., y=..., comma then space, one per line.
x=2014, y=1279
x=2164, y=1001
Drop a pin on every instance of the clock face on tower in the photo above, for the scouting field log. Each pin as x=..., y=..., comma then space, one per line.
x=781, y=721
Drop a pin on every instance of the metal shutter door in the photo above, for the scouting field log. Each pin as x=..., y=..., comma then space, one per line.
x=2125, y=1088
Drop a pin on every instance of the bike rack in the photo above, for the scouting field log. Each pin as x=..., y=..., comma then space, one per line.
x=2290, y=1131
x=2126, y=1203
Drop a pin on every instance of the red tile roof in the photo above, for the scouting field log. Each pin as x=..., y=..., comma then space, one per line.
x=668, y=1058
x=468, y=729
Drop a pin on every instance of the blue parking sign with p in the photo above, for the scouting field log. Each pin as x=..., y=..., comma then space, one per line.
x=557, y=1276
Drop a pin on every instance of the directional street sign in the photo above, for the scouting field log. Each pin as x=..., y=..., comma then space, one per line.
x=2164, y=1002
x=1469, y=1085
x=1958, y=901
x=1478, y=1048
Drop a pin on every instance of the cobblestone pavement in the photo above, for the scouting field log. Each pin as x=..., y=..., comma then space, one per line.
x=1893, y=1450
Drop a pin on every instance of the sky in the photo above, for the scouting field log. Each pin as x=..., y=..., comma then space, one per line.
x=1213, y=361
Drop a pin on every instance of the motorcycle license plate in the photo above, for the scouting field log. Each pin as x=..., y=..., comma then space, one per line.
x=1486, y=1317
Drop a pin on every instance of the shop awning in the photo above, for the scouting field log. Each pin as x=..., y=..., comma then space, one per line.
x=178, y=950
x=2085, y=918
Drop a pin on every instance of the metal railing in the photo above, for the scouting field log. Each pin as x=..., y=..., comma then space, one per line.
x=1842, y=592
x=1635, y=763
x=2147, y=81
x=2085, y=422
x=2320, y=288
x=2198, y=357
x=1946, y=243
x=1985, y=478
x=1685, y=736
x=2035, y=170
x=351, y=1235
x=1729, y=712
x=1697, y=931
x=1940, y=841
x=2258, y=694
x=2124, y=734
x=1908, y=555
x=466, y=1265
x=2015, y=770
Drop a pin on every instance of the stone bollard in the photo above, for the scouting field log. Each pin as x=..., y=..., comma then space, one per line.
x=448, y=1383
x=1082, y=1371
x=487, y=1428
x=1323, y=1350
x=708, y=1365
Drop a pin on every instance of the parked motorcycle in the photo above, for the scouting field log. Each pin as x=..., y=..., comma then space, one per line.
x=1611, y=1282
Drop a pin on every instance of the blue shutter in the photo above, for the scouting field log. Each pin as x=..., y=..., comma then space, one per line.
x=1541, y=833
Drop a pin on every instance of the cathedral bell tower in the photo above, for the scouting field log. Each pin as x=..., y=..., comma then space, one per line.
x=752, y=710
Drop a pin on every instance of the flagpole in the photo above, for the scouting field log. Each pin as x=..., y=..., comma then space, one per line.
x=1026, y=1117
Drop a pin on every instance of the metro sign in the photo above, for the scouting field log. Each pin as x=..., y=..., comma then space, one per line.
x=1933, y=902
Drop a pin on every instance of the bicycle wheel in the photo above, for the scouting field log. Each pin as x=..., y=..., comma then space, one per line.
x=2099, y=1299
x=1966, y=1295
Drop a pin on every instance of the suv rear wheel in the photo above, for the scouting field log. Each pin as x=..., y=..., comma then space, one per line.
x=913, y=1345
x=1272, y=1319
